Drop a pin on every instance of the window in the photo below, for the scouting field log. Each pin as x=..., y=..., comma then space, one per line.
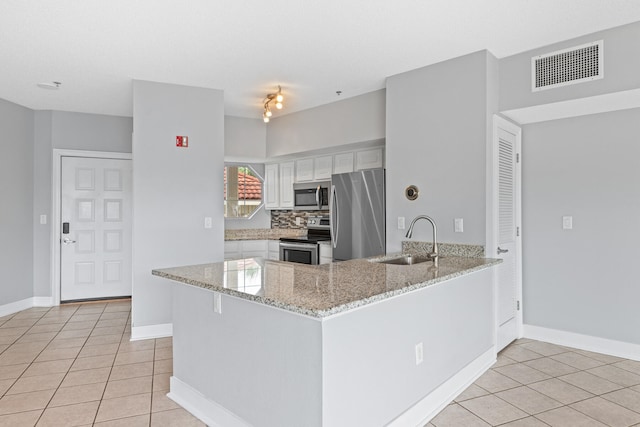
x=242, y=191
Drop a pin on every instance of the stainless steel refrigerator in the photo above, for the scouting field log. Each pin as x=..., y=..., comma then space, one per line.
x=357, y=209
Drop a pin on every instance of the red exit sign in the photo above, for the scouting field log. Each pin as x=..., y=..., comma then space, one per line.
x=182, y=141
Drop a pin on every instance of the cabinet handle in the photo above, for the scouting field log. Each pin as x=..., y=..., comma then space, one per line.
x=502, y=251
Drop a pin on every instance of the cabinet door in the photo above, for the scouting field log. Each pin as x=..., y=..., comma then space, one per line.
x=286, y=185
x=326, y=253
x=274, y=249
x=232, y=249
x=271, y=187
x=322, y=167
x=343, y=163
x=369, y=159
x=254, y=248
x=304, y=170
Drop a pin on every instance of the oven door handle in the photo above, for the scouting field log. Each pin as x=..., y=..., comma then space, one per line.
x=298, y=245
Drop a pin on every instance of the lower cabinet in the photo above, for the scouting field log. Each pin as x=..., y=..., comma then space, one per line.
x=235, y=249
x=326, y=253
x=274, y=250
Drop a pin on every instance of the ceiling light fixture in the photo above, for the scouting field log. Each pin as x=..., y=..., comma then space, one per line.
x=277, y=98
x=49, y=85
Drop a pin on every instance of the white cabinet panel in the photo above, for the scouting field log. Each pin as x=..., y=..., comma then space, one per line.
x=326, y=253
x=369, y=159
x=274, y=249
x=322, y=167
x=343, y=163
x=232, y=249
x=271, y=187
x=304, y=170
x=286, y=185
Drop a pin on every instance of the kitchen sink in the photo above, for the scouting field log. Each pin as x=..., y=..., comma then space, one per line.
x=404, y=260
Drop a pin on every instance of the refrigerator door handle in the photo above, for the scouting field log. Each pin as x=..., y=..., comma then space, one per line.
x=333, y=208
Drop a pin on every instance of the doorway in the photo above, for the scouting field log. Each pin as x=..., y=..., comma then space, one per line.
x=92, y=231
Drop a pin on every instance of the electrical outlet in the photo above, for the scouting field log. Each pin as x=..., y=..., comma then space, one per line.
x=567, y=222
x=400, y=223
x=43, y=219
x=419, y=353
x=458, y=225
x=217, y=303
x=297, y=220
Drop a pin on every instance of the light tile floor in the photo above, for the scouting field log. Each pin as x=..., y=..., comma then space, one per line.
x=540, y=384
x=74, y=365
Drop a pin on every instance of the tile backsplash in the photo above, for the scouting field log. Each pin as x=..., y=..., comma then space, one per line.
x=287, y=219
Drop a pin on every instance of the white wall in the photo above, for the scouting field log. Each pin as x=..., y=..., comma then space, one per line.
x=582, y=280
x=438, y=121
x=16, y=206
x=65, y=130
x=352, y=120
x=174, y=189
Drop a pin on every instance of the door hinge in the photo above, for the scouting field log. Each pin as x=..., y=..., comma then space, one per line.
x=518, y=305
x=517, y=157
x=517, y=231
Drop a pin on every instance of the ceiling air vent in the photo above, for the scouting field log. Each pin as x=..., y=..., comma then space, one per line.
x=566, y=67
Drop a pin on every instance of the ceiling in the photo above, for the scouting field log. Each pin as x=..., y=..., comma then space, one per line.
x=95, y=48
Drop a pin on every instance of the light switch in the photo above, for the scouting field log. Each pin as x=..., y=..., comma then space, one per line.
x=400, y=223
x=567, y=222
x=458, y=225
x=43, y=219
x=207, y=222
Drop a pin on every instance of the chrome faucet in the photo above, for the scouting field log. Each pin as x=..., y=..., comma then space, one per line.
x=434, y=254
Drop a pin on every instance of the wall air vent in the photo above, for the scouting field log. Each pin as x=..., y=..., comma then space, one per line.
x=568, y=66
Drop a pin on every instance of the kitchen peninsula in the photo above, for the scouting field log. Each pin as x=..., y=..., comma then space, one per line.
x=269, y=343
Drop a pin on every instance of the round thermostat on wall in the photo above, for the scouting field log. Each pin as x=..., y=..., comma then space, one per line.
x=411, y=192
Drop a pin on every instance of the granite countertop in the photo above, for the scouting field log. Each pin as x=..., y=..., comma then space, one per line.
x=263, y=233
x=320, y=290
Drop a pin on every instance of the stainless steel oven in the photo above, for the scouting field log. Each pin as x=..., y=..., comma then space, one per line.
x=306, y=250
x=304, y=253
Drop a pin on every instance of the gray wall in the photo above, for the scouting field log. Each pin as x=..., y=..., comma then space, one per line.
x=16, y=212
x=582, y=280
x=244, y=139
x=174, y=189
x=438, y=122
x=73, y=131
x=357, y=119
x=621, y=70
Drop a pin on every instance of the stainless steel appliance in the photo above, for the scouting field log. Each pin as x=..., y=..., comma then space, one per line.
x=305, y=250
x=311, y=196
x=357, y=211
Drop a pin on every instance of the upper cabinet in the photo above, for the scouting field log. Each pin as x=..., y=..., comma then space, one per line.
x=369, y=159
x=322, y=168
x=271, y=187
x=343, y=163
x=286, y=185
x=304, y=170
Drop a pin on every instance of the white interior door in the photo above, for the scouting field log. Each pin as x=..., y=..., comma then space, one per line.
x=95, y=252
x=506, y=184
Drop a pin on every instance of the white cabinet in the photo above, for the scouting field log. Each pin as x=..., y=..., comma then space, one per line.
x=322, y=168
x=304, y=170
x=369, y=159
x=326, y=253
x=237, y=249
x=274, y=249
x=278, y=185
x=271, y=187
x=286, y=185
x=343, y=163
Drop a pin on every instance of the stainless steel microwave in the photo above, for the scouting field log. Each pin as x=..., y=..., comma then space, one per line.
x=311, y=196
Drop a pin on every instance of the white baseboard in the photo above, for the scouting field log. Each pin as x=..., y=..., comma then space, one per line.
x=583, y=342
x=151, y=331
x=43, y=302
x=15, y=307
x=207, y=411
x=423, y=411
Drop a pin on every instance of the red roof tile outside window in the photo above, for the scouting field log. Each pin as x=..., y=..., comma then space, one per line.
x=249, y=192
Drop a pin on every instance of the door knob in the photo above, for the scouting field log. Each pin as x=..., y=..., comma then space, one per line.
x=68, y=241
x=502, y=251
